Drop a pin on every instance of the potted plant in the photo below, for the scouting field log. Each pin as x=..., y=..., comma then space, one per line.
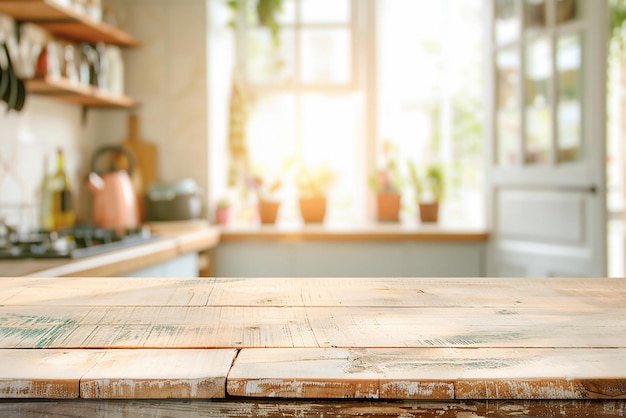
x=313, y=185
x=429, y=190
x=222, y=211
x=266, y=12
x=387, y=183
x=267, y=191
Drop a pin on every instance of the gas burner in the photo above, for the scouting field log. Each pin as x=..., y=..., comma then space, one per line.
x=76, y=242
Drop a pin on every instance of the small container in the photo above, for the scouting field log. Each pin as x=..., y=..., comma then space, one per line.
x=173, y=202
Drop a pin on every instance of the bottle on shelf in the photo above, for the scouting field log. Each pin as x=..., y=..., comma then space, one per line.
x=45, y=204
x=62, y=209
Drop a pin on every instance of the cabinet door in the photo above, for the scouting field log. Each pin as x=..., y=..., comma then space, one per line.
x=546, y=141
x=185, y=265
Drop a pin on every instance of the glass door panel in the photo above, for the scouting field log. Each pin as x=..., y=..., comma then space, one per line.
x=538, y=120
x=507, y=23
x=569, y=95
x=507, y=108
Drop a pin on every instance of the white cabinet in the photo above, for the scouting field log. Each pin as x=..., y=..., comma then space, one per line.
x=185, y=265
x=349, y=259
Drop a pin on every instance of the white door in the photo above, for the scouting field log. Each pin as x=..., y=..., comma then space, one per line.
x=546, y=153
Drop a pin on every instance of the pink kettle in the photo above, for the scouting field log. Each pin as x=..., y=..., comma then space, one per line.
x=114, y=199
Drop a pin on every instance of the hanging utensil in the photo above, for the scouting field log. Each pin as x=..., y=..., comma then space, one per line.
x=4, y=73
x=10, y=95
x=18, y=89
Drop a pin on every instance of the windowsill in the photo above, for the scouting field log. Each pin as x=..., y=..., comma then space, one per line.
x=352, y=232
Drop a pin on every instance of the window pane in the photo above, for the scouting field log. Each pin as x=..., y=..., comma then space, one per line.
x=265, y=63
x=331, y=128
x=326, y=56
x=538, y=113
x=410, y=84
x=566, y=10
x=287, y=15
x=569, y=119
x=535, y=14
x=272, y=129
x=507, y=104
x=507, y=21
x=325, y=11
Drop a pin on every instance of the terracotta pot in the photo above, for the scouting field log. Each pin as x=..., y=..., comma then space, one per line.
x=388, y=207
x=429, y=212
x=221, y=216
x=313, y=209
x=268, y=211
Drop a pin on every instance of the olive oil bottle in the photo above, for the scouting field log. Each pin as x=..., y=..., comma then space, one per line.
x=62, y=209
x=45, y=206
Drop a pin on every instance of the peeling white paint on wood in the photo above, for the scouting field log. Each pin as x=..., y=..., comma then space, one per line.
x=158, y=374
x=373, y=339
x=416, y=390
x=44, y=373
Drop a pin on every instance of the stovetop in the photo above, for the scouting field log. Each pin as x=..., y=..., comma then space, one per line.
x=75, y=242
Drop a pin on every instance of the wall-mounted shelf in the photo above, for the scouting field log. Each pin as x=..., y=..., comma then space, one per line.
x=64, y=89
x=65, y=22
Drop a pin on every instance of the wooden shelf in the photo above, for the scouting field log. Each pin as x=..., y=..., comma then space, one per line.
x=66, y=22
x=64, y=89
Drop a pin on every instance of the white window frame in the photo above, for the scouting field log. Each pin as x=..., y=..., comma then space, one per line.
x=363, y=67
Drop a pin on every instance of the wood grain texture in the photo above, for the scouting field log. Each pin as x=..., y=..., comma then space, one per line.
x=436, y=339
x=432, y=373
x=246, y=408
x=332, y=373
x=576, y=296
x=144, y=152
x=158, y=374
x=85, y=326
x=44, y=373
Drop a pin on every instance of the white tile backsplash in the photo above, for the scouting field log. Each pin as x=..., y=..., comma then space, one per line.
x=26, y=139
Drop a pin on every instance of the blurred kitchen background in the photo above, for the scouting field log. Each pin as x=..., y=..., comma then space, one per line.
x=340, y=82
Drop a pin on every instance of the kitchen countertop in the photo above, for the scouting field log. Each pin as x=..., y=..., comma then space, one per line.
x=365, y=232
x=172, y=239
x=326, y=346
x=177, y=238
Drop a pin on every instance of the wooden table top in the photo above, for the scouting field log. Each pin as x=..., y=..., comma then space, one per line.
x=364, y=338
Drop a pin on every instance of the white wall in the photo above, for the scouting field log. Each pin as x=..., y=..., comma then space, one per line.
x=167, y=74
x=44, y=125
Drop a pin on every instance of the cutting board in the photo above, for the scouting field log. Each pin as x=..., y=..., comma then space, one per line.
x=145, y=154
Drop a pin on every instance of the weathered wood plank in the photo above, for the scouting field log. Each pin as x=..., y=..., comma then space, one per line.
x=246, y=408
x=302, y=373
x=44, y=373
x=258, y=326
x=430, y=373
x=486, y=292
x=531, y=322
x=158, y=374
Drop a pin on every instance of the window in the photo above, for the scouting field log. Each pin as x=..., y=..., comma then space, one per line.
x=347, y=75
